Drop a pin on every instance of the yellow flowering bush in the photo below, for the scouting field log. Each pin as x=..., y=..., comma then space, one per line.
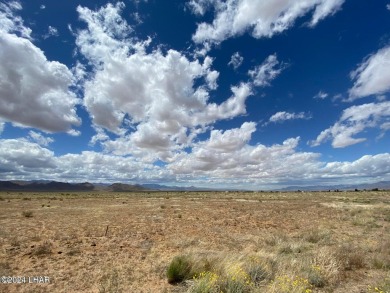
x=383, y=288
x=205, y=282
x=291, y=285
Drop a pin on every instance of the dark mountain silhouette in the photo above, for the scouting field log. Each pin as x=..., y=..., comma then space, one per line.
x=44, y=186
x=121, y=187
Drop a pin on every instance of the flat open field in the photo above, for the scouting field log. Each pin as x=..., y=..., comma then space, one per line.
x=228, y=242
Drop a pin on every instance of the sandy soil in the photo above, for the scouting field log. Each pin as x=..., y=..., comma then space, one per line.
x=88, y=242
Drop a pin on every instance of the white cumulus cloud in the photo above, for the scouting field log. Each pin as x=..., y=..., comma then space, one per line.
x=228, y=155
x=262, y=18
x=23, y=159
x=375, y=166
x=20, y=157
x=34, y=91
x=147, y=96
x=353, y=121
x=226, y=159
x=372, y=77
x=11, y=23
x=39, y=138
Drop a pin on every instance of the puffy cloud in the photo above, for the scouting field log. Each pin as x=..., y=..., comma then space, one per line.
x=10, y=23
x=374, y=166
x=39, y=138
x=228, y=156
x=151, y=94
x=99, y=136
x=388, y=6
x=106, y=35
x=226, y=159
x=321, y=95
x=263, y=74
x=22, y=159
x=163, y=138
x=236, y=60
x=93, y=166
x=35, y=92
x=263, y=18
x=372, y=77
x=230, y=140
x=199, y=7
x=283, y=116
x=353, y=121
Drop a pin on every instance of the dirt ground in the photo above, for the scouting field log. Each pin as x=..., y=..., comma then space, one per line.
x=124, y=242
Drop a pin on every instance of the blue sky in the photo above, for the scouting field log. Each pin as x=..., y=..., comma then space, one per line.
x=237, y=93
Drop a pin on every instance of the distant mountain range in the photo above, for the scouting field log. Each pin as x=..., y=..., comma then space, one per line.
x=43, y=185
x=368, y=186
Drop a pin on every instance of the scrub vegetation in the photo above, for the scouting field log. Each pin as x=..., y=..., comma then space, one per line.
x=197, y=242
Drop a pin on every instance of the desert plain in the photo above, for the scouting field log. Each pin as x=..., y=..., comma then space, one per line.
x=222, y=241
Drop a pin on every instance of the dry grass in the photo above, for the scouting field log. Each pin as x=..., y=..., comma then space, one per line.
x=27, y=214
x=232, y=242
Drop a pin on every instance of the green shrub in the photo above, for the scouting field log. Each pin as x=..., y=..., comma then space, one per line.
x=179, y=269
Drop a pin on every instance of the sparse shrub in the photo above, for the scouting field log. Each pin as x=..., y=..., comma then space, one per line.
x=234, y=280
x=258, y=271
x=27, y=214
x=384, y=287
x=382, y=259
x=285, y=249
x=316, y=278
x=205, y=282
x=220, y=273
x=2, y=198
x=326, y=264
x=43, y=249
x=109, y=283
x=237, y=280
x=289, y=248
x=317, y=236
x=381, y=262
x=273, y=240
x=350, y=257
x=179, y=269
x=286, y=284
